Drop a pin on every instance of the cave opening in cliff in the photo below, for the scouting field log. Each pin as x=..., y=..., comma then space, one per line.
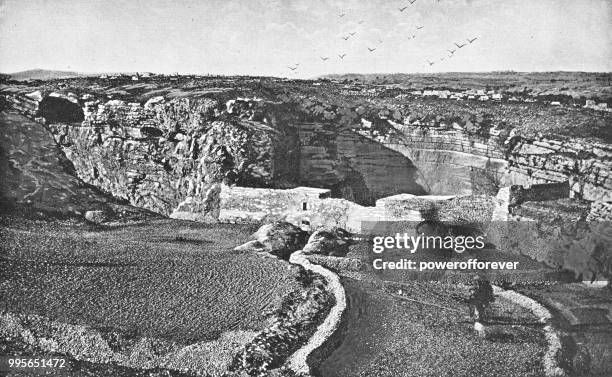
x=60, y=110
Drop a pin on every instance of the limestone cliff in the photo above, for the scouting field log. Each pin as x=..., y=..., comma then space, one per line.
x=163, y=155
x=168, y=150
x=456, y=162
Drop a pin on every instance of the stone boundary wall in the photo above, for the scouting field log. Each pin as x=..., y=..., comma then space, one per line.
x=310, y=207
x=460, y=209
x=298, y=360
x=302, y=206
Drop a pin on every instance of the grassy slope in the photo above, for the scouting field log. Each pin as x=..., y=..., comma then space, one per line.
x=165, y=278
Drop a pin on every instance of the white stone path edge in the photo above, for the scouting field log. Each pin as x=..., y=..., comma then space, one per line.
x=551, y=368
x=297, y=361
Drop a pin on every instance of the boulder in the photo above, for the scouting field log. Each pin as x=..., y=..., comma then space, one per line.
x=96, y=216
x=279, y=239
x=333, y=242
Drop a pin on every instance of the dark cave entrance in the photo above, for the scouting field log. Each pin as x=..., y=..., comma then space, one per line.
x=60, y=110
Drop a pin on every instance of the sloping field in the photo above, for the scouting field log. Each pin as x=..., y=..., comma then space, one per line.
x=163, y=279
x=157, y=295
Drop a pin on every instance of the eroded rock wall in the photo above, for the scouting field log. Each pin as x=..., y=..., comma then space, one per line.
x=587, y=166
x=354, y=167
x=455, y=162
x=167, y=156
x=448, y=161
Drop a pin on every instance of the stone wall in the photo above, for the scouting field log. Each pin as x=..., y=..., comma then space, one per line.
x=302, y=206
x=449, y=209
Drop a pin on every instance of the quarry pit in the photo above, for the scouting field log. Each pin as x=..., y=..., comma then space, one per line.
x=212, y=153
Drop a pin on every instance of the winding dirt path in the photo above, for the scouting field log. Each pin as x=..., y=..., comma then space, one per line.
x=551, y=367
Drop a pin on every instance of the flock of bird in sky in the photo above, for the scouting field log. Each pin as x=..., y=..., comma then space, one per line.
x=451, y=51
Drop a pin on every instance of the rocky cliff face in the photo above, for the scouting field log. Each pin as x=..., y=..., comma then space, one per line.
x=587, y=166
x=455, y=162
x=354, y=167
x=164, y=155
x=449, y=161
x=170, y=153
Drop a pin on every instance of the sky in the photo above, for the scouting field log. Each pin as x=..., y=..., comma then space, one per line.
x=266, y=37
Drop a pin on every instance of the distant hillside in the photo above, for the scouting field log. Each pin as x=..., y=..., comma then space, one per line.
x=574, y=84
x=43, y=74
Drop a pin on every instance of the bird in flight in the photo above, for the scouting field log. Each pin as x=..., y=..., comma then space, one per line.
x=472, y=40
x=324, y=59
x=371, y=49
x=360, y=22
x=342, y=56
x=412, y=2
x=413, y=36
x=342, y=15
x=458, y=45
x=353, y=33
x=431, y=63
x=346, y=38
x=291, y=68
x=420, y=27
x=402, y=9
x=451, y=51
